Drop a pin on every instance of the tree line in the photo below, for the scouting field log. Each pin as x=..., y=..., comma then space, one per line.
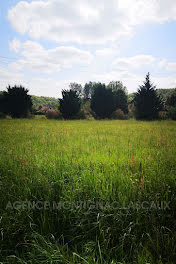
x=96, y=99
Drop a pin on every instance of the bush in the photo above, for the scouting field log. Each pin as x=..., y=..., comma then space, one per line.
x=84, y=115
x=163, y=115
x=2, y=115
x=131, y=110
x=119, y=114
x=54, y=115
x=172, y=112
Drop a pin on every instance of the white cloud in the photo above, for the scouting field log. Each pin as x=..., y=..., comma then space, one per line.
x=162, y=63
x=106, y=52
x=87, y=21
x=36, y=85
x=165, y=82
x=15, y=45
x=133, y=62
x=35, y=57
x=8, y=77
x=171, y=66
x=132, y=81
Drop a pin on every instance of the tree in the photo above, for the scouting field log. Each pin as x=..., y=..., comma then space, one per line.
x=116, y=85
x=102, y=101
x=88, y=90
x=121, y=100
x=3, y=104
x=70, y=104
x=120, y=95
x=171, y=100
x=147, y=102
x=76, y=87
x=171, y=105
x=16, y=102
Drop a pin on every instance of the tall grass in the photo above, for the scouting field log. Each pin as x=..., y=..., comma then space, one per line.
x=89, y=161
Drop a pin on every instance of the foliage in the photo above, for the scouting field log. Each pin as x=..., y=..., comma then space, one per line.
x=16, y=102
x=121, y=100
x=163, y=115
x=131, y=97
x=120, y=95
x=171, y=100
x=2, y=115
x=171, y=105
x=40, y=101
x=171, y=112
x=164, y=93
x=102, y=101
x=54, y=115
x=119, y=114
x=76, y=87
x=147, y=102
x=88, y=90
x=117, y=85
x=70, y=103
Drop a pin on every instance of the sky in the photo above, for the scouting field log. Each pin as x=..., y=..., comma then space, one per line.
x=47, y=44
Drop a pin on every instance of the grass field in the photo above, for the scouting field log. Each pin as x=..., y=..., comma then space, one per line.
x=114, y=184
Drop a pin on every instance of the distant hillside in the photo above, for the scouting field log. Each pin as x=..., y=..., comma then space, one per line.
x=163, y=93
x=40, y=101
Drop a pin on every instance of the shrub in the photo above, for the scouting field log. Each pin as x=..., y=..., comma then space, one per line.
x=54, y=115
x=131, y=110
x=84, y=115
x=172, y=112
x=163, y=115
x=119, y=114
x=2, y=115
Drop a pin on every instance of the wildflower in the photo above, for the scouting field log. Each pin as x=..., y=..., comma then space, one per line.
x=24, y=162
x=142, y=183
x=132, y=161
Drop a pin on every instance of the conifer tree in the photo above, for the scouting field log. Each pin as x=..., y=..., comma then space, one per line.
x=147, y=102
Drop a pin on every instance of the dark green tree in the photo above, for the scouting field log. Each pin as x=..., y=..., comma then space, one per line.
x=147, y=103
x=102, y=101
x=171, y=105
x=120, y=95
x=70, y=103
x=3, y=104
x=121, y=100
x=171, y=100
x=16, y=102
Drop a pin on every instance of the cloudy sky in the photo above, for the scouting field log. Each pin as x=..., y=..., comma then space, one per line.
x=46, y=44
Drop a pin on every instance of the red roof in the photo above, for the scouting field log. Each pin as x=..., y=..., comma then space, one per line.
x=45, y=108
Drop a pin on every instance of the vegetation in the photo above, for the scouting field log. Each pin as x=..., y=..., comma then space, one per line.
x=171, y=105
x=40, y=101
x=162, y=93
x=70, y=104
x=97, y=100
x=129, y=162
x=147, y=103
x=88, y=90
x=165, y=93
x=16, y=102
x=102, y=101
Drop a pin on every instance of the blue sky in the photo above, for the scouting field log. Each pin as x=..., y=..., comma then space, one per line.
x=50, y=43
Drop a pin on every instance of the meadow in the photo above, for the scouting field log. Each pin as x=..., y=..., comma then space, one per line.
x=115, y=182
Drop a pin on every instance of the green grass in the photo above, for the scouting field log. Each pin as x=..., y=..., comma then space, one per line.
x=90, y=161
